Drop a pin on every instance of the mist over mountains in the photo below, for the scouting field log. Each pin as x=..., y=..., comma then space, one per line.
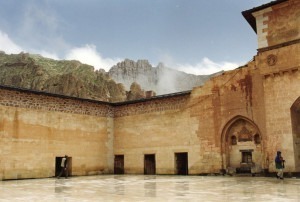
x=127, y=80
x=161, y=79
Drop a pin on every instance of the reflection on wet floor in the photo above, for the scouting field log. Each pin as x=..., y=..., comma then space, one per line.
x=151, y=188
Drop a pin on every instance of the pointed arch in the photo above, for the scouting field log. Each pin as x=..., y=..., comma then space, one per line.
x=240, y=140
x=295, y=122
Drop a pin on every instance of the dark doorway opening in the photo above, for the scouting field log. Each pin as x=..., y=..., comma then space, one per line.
x=181, y=163
x=247, y=157
x=119, y=164
x=58, y=166
x=246, y=163
x=295, y=118
x=149, y=164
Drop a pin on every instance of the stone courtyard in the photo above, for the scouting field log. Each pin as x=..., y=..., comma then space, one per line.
x=152, y=188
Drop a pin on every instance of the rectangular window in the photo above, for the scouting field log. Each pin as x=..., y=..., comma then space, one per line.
x=247, y=157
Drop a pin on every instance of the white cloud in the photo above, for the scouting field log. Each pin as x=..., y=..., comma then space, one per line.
x=206, y=67
x=7, y=45
x=10, y=47
x=86, y=54
x=89, y=55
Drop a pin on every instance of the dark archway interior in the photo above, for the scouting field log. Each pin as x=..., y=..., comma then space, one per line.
x=295, y=118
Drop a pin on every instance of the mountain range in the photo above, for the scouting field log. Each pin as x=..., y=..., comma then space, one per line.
x=127, y=80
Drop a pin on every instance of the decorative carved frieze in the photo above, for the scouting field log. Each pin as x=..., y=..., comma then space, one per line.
x=244, y=135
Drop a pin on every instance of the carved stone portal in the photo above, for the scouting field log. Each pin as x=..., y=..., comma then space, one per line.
x=243, y=130
x=245, y=135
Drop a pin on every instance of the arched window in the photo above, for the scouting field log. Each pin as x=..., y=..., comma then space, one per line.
x=233, y=140
x=256, y=139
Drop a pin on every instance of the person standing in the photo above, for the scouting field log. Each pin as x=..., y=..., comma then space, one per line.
x=279, y=163
x=64, y=167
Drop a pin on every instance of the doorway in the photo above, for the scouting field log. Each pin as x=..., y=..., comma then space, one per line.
x=119, y=164
x=149, y=164
x=246, y=161
x=295, y=119
x=181, y=163
x=58, y=167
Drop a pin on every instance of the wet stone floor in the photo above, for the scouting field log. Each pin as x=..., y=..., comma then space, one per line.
x=151, y=188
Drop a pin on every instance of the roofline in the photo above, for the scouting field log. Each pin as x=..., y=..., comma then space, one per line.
x=37, y=92
x=152, y=98
x=94, y=101
x=251, y=19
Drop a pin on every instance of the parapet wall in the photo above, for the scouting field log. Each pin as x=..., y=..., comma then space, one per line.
x=56, y=103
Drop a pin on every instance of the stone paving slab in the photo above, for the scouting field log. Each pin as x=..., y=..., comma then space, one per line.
x=151, y=188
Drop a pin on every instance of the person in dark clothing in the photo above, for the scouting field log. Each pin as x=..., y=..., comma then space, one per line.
x=64, y=167
x=279, y=163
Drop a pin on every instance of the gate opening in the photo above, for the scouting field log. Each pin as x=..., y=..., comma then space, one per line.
x=119, y=164
x=58, y=167
x=181, y=163
x=246, y=163
x=149, y=164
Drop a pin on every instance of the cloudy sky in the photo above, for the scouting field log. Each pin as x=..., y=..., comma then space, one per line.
x=195, y=36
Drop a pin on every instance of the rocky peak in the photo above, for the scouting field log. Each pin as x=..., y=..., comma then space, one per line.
x=160, y=79
x=161, y=65
x=130, y=65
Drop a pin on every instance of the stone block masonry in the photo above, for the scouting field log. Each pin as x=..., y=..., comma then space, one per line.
x=43, y=101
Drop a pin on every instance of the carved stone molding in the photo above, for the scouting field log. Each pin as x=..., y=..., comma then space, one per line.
x=271, y=59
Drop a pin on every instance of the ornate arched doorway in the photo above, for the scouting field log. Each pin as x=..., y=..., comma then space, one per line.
x=242, y=146
x=295, y=118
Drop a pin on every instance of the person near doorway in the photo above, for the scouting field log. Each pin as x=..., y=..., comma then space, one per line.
x=64, y=167
x=279, y=163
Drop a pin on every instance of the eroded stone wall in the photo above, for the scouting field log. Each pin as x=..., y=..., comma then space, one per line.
x=278, y=24
x=193, y=124
x=281, y=86
x=236, y=93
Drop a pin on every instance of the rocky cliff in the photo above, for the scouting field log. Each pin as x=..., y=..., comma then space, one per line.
x=161, y=79
x=127, y=80
x=70, y=78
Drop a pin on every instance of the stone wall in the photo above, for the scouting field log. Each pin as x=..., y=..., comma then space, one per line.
x=278, y=24
x=218, y=105
x=195, y=124
x=162, y=127
x=281, y=86
x=37, y=128
x=283, y=23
